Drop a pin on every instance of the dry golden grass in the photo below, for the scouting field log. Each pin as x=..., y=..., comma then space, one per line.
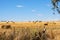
x=29, y=28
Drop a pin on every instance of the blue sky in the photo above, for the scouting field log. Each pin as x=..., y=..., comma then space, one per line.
x=27, y=10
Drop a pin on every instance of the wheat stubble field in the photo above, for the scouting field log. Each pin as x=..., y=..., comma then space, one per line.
x=30, y=30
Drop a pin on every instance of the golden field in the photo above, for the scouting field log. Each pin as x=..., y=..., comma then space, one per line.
x=27, y=30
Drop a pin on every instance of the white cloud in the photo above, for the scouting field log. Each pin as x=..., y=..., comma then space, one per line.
x=49, y=5
x=33, y=10
x=19, y=6
x=39, y=14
